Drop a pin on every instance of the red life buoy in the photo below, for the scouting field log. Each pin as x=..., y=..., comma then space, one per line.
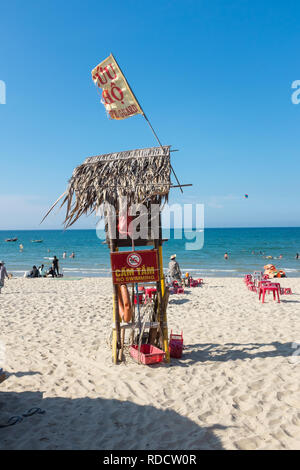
x=125, y=308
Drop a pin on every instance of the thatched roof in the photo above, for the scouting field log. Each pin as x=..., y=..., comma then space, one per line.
x=142, y=175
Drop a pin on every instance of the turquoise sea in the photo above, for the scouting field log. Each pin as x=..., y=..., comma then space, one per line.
x=92, y=256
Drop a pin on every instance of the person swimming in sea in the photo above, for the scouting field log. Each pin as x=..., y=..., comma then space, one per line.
x=226, y=256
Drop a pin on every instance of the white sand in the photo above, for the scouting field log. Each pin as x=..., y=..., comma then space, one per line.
x=236, y=386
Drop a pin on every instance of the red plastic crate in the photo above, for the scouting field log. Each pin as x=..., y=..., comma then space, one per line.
x=148, y=354
x=175, y=349
x=175, y=337
x=176, y=345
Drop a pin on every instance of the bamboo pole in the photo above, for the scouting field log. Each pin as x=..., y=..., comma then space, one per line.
x=165, y=295
x=159, y=300
x=116, y=340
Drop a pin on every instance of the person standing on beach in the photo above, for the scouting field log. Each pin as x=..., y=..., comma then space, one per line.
x=55, y=266
x=3, y=274
x=174, y=270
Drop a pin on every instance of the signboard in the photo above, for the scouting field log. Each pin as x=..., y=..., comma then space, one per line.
x=117, y=97
x=134, y=266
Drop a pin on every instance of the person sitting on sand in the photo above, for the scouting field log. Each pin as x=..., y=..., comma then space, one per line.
x=41, y=270
x=187, y=280
x=174, y=270
x=34, y=272
x=3, y=274
x=50, y=272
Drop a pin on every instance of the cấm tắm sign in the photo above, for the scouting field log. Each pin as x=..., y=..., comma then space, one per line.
x=134, y=266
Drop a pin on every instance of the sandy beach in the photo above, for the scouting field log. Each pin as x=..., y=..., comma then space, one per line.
x=236, y=386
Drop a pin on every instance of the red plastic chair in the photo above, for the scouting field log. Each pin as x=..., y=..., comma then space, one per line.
x=268, y=288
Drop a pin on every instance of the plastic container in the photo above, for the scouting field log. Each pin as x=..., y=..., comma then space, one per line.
x=148, y=354
x=176, y=345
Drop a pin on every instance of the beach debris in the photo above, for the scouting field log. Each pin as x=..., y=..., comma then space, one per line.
x=17, y=419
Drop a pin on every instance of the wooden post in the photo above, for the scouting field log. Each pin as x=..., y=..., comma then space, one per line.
x=160, y=317
x=164, y=294
x=116, y=340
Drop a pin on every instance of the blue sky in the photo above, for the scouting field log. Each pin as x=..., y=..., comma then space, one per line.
x=214, y=77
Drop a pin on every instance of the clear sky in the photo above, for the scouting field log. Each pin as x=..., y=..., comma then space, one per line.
x=214, y=77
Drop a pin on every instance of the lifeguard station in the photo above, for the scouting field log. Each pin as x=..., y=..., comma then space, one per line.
x=141, y=179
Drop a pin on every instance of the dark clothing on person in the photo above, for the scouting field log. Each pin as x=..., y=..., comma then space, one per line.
x=34, y=272
x=3, y=273
x=51, y=272
x=55, y=266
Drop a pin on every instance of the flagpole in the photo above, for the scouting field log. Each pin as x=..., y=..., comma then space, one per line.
x=147, y=120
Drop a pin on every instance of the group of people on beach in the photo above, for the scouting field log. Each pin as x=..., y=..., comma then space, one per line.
x=53, y=270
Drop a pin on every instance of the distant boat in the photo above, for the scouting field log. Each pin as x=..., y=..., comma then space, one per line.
x=11, y=239
x=37, y=241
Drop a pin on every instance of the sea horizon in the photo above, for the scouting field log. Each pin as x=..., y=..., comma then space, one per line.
x=248, y=249
x=165, y=228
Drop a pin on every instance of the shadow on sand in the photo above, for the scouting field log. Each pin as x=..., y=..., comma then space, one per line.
x=233, y=351
x=86, y=423
x=178, y=301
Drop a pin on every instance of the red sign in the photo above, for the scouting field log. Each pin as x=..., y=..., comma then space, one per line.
x=134, y=266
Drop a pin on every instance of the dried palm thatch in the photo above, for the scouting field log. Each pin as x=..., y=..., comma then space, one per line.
x=141, y=175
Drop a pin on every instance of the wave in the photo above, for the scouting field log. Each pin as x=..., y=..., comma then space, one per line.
x=87, y=269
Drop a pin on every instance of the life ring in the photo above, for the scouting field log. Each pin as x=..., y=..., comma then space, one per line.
x=125, y=308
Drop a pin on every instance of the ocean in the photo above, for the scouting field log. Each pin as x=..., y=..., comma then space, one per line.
x=246, y=247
